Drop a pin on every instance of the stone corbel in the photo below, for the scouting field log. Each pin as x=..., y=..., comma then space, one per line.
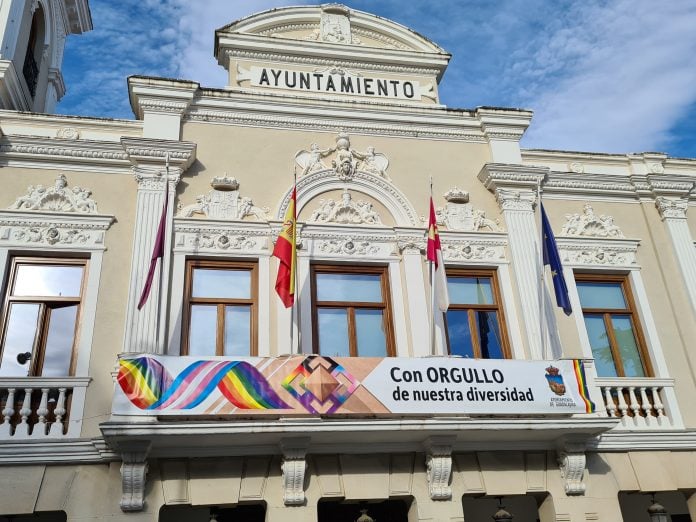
x=572, y=460
x=293, y=468
x=438, y=461
x=133, y=475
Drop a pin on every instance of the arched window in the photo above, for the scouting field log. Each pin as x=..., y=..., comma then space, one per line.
x=32, y=58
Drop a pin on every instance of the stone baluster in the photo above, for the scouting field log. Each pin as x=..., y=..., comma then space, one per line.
x=635, y=407
x=59, y=411
x=41, y=427
x=23, y=428
x=662, y=419
x=646, y=407
x=7, y=413
x=623, y=407
x=610, y=404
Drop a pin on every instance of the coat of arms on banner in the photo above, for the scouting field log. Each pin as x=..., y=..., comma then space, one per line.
x=555, y=380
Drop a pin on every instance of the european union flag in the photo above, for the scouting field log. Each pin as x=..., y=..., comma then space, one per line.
x=553, y=259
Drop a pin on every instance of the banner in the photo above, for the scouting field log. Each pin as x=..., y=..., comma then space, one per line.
x=317, y=385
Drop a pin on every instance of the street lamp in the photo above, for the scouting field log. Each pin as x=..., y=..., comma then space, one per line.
x=657, y=512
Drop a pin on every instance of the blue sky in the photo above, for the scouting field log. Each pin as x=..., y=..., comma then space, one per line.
x=607, y=76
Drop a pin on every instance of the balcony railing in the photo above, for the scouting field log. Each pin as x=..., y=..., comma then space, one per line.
x=640, y=403
x=40, y=407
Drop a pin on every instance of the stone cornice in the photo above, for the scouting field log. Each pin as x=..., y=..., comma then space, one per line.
x=496, y=176
x=152, y=153
x=159, y=95
x=34, y=151
x=503, y=124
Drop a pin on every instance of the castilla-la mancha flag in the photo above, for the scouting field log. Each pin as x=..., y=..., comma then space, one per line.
x=434, y=254
x=286, y=251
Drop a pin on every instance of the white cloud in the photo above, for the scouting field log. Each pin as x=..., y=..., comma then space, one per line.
x=612, y=77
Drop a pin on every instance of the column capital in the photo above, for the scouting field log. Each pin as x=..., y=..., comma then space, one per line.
x=672, y=208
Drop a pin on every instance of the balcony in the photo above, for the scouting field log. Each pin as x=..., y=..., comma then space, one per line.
x=640, y=403
x=40, y=407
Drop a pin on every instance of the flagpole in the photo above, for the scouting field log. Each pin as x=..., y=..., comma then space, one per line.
x=432, y=292
x=296, y=302
x=542, y=304
x=161, y=264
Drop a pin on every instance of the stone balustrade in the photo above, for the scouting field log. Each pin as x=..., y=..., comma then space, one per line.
x=640, y=403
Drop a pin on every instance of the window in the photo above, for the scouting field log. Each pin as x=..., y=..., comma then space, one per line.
x=220, y=308
x=351, y=312
x=612, y=326
x=474, y=320
x=40, y=317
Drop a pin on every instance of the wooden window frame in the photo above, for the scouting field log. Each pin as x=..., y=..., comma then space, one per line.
x=221, y=303
x=38, y=349
x=608, y=312
x=351, y=306
x=497, y=306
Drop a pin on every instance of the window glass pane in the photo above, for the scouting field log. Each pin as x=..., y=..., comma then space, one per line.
x=221, y=284
x=628, y=347
x=365, y=288
x=601, y=295
x=599, y=341
x=470, y=290
x=333, y=332
x=459, y=333
x=369, y=328
x=59, y=341
x=237, y=330
x=19, y=338
x=203, y=331
x=48, y=280
x=489, y=335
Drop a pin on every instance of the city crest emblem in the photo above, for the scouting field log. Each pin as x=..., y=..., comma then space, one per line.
x=555, y=380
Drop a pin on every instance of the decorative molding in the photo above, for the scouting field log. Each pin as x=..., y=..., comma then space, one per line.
x=598, y=252
x=576, y=167
x=571, y=461
x=270, y=56
x=55, y=229
x=347, y=247
x=438, y=460
x=470, y=134
x=47, y=149
x=411, y=245
x=162, y=106
x=480, y=250
x=68, y=133
x=589, y=224
x=224, y=202
x=204, y=236
x=293, y=468
x=151, y=153
x=511, y=199
x=458, y=214
x=345, y=212
x=133, y=475
x=671, y=208
x=347, y=160
x=57, y=198
x=311, y=185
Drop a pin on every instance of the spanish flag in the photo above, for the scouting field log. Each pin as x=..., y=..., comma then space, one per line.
x=286, y=251
x=434, y=255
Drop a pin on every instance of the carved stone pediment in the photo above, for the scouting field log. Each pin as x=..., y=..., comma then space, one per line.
x=460, y=215
x=224, y=202
x=346, y=160
x=58, y=198
x=345, y=212
x=590, y=224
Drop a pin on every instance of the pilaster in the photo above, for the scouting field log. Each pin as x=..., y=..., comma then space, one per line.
x=515, y=188
x=149, y=169
x=416, y=292
x=504, y=129
x=672, y=203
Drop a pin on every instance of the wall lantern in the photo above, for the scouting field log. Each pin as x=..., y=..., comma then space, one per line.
x=657, y=512
x=502, y=515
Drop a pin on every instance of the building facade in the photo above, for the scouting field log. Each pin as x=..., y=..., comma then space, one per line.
x=213, y=401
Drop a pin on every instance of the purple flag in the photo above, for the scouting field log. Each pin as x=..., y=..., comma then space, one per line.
x=158, y=250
